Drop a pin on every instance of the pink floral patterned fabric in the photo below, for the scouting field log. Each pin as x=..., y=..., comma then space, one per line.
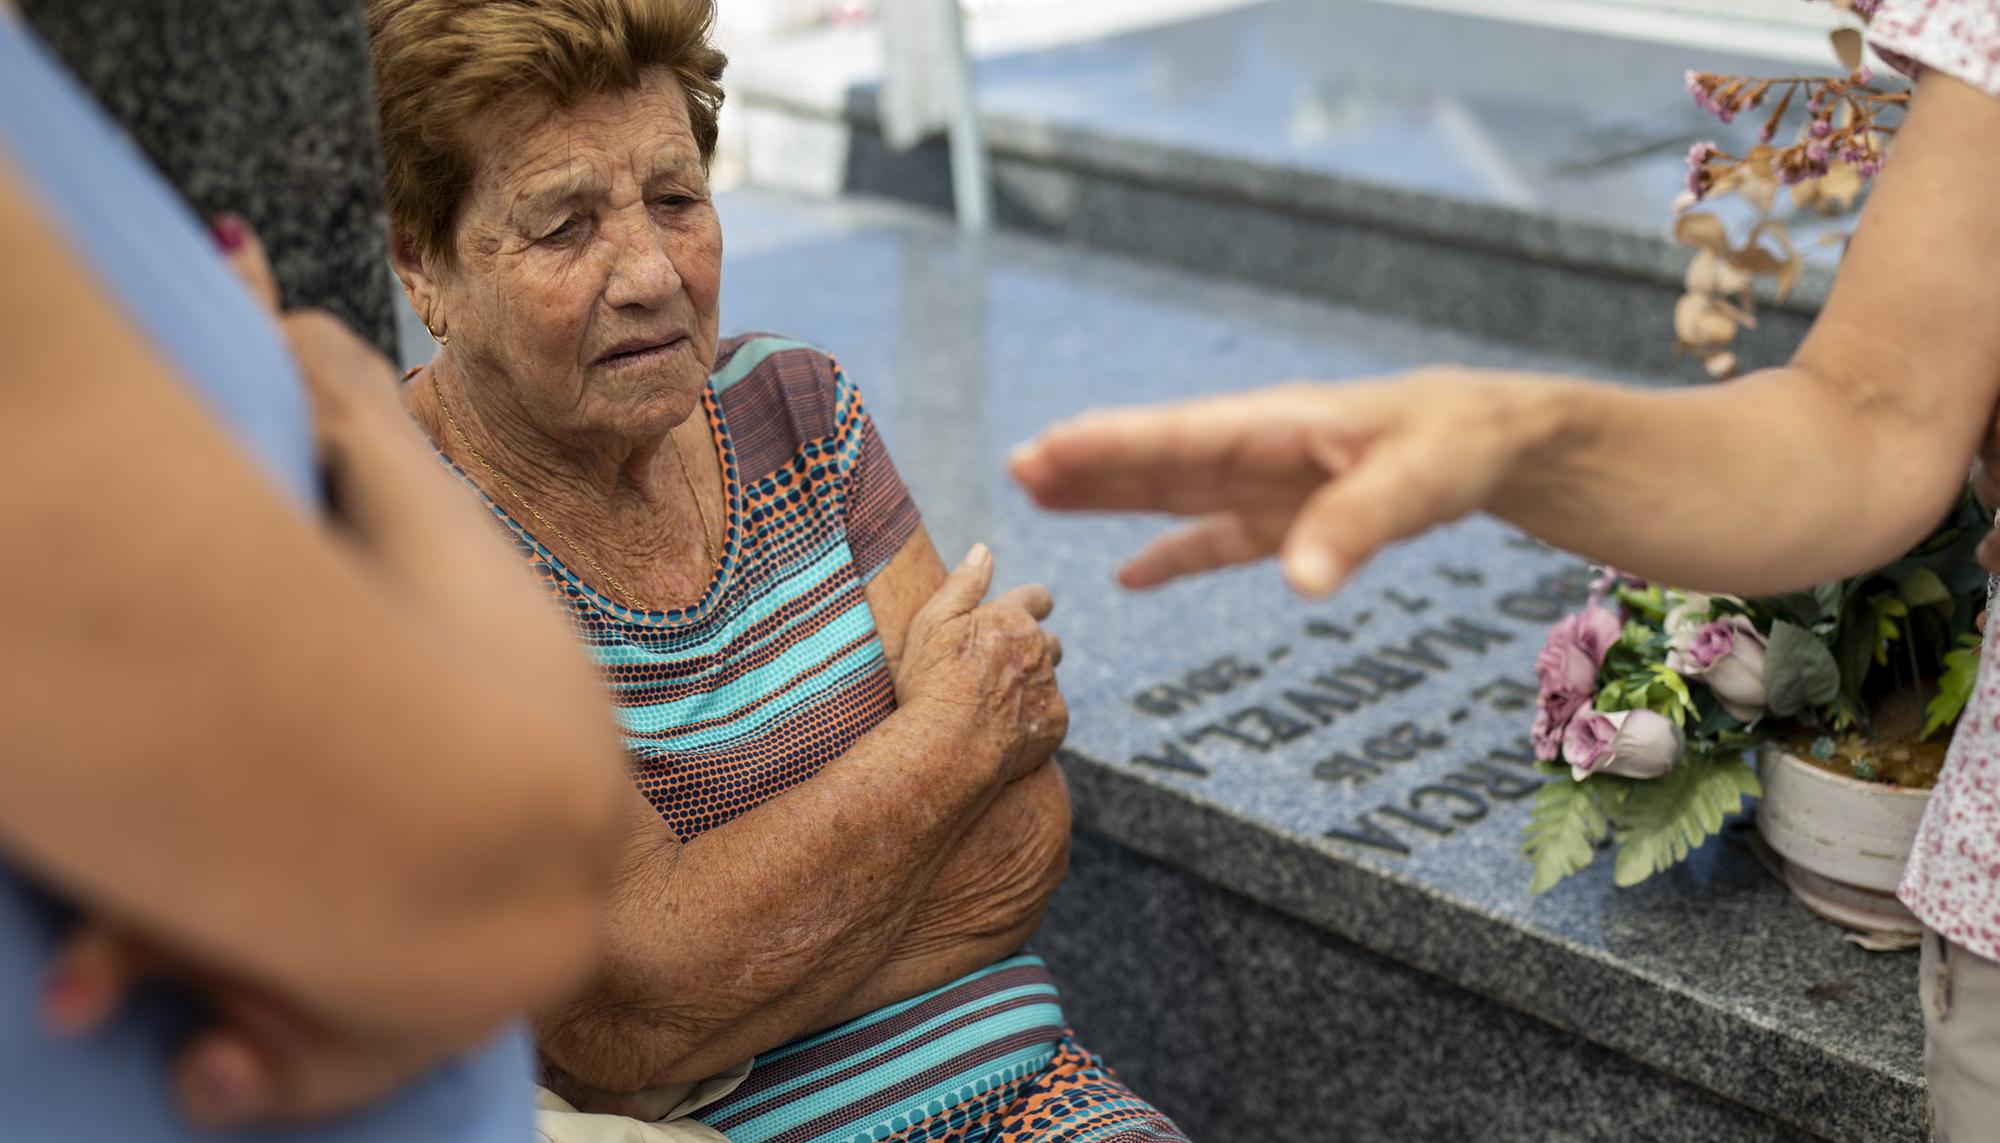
x=1953, y=880
x=1958, y=37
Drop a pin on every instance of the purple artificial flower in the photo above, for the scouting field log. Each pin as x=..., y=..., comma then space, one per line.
x=1821, y=128
x=1629, y=743
x=1567, y=669
x=1816, y=153
x=1727, y=654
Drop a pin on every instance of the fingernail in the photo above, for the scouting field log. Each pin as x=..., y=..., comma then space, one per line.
x=1312, y=572
x=979, y=556
x=229, y=232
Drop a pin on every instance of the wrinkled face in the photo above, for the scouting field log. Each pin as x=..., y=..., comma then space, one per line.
x=589, y=264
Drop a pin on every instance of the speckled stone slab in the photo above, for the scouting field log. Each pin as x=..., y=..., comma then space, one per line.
x=1494, y=175
x=260, y=107
x=1342, y=783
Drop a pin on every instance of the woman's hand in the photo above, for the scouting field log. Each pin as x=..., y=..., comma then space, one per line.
x=992, y=662
x=259, y=1060
x=1324, y=475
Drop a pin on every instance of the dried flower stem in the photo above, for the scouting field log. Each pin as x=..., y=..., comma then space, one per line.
x=1857, y=140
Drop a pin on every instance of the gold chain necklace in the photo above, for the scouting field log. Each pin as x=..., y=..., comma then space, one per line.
x=610, y=580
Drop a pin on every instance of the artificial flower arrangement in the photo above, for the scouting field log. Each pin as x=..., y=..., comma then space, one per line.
x=1653, y=701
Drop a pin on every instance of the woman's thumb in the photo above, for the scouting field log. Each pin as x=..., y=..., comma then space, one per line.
x=966, y=585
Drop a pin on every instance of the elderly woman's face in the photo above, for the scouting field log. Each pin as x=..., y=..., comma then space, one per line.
x=589, y=263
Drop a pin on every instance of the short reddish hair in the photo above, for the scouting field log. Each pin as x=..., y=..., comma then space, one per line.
x=440, y=64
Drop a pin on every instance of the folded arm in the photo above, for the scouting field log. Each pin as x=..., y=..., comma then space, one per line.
x=779, y=922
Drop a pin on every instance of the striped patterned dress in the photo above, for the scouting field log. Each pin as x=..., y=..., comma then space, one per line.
x=772, y=674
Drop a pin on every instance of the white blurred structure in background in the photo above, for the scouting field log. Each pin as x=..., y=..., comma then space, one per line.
x=927, y=85
x=926, y=80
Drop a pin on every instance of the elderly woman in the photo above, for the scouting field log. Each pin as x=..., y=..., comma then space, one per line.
x=846, y=820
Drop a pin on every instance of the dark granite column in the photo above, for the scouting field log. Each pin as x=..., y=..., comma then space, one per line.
x=261, y=107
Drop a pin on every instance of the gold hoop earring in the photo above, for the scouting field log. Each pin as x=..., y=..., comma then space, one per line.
x=441, y=338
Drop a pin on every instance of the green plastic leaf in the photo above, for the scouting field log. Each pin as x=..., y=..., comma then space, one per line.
x=1830, y=597
x=1668, y=695
x=1650, y=602
x=1798, y=670
x=1846, y=715
x=1961, y=673
x=1922, y=588
x=1660, y=822
x=1564, y=831
x=1801, y=607
x=1889, y=612
x=1854, y=650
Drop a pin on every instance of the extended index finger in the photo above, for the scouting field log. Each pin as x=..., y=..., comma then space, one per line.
x=1188, y=458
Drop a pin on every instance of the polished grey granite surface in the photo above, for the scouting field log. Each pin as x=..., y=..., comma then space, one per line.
x=1355, y=765
x=262, y=108
x=1485, y=110
x=1249, y=1024
x=1510, y=180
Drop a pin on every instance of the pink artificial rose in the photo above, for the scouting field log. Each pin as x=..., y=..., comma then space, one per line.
x=1728, y=656
x=1629, y=743
x=1553, y=714
x=1567, y=670
x=1596, y=630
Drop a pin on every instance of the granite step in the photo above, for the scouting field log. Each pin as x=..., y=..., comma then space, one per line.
x=1296, y=909
x=1509, y=180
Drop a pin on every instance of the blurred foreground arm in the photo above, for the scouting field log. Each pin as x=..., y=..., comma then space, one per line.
x=1788, y=477
x=365, y=769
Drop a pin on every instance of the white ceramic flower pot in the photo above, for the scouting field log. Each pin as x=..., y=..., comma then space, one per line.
x=1843, y=841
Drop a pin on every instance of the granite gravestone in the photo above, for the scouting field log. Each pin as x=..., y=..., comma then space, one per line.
x=1363, y=766
x=262, y=108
